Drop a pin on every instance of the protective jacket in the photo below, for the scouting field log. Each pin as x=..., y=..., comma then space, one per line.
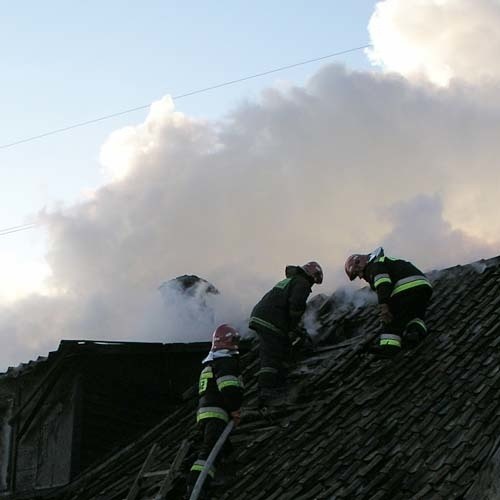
x=281, y=309
x=221, y=392
x=220, y=386
x=390, y=277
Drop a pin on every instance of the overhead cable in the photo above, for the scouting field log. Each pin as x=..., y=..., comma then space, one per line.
x=181, y=96
x=24, y=227
x=15, y=229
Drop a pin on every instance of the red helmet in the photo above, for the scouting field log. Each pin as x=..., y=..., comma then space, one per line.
x=313, y=269
x=225, y=337
x=355, y=264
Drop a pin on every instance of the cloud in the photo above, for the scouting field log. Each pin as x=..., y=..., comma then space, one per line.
x=345, y=163
x=421, y=234
x=439, y=39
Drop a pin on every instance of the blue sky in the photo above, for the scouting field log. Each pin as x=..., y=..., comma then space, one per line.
x=67, y=62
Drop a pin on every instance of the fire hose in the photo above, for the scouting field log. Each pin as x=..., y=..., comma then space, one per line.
x=210, y=460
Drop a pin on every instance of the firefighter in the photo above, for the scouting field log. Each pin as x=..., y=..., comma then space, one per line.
x=220, y=395
x=275, y=319
x=403, y=294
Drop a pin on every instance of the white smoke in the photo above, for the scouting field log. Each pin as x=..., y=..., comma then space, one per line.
x=438, y=39
x=421, y=234
x=348, y=162
x=189, y=315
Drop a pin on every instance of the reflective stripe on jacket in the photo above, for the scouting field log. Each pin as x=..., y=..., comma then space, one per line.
x=389, y=276
x=220, y=388
x=281, y=309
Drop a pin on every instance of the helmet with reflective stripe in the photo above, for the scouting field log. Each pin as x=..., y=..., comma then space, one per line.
x=225, y=337
x=313, y=269
x=355, y=265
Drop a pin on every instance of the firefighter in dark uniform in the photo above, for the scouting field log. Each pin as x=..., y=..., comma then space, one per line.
x=403, y=294
x=220, y=396
x=275, y=319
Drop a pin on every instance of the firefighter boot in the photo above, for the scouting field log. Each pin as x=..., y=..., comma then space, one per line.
x=416, y=330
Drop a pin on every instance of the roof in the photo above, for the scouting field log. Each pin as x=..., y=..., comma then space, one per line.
x=424, y=425
x=83, y=347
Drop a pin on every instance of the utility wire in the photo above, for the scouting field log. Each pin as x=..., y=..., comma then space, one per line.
x=15, y=229
x=181, y=96
x=24, y=227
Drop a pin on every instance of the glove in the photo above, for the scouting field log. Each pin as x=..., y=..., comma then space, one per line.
x=294, y=336
x=236, y=416
x=301, y=339
x=385, y=314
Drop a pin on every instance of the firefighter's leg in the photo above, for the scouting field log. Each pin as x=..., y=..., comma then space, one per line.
x=408, y=309
x=390, y=340
x=416, y=331
x=273, y=349
x=389, y=344
x=212, y=429
x=415, y=328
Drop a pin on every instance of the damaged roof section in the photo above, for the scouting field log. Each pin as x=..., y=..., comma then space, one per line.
x=190, y=284
x=188, y=307
x=424, y=425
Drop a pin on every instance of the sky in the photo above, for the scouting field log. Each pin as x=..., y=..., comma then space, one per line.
x=68, y=62
x=396, y=145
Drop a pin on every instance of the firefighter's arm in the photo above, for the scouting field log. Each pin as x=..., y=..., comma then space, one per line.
x=381, y=281
x=297, y=300
x=230, y=384
x=385, y=313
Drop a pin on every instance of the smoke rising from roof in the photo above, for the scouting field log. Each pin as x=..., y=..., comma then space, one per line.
x=189, y=309
x=350, y=161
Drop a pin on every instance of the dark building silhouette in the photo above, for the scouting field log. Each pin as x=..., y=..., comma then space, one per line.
x=61, y=414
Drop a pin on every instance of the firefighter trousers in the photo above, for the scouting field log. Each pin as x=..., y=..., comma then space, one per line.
x=274, y=351
x=211, y=429
x=408, y=309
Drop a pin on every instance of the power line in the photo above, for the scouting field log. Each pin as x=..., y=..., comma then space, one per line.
x=24, y=227
x=181, y=96
x=15, y=229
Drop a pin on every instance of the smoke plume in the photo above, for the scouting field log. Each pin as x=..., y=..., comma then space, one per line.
x=439, y=39
x=345, y=163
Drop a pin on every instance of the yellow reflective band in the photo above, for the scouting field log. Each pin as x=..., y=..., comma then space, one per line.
x=207, y=373
x=199, y=468
x=382, y=280
x=228, y=384
x=411, y=284
x=396, y=343
x=264, y=323
x=212, y=412
x=228, y=380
